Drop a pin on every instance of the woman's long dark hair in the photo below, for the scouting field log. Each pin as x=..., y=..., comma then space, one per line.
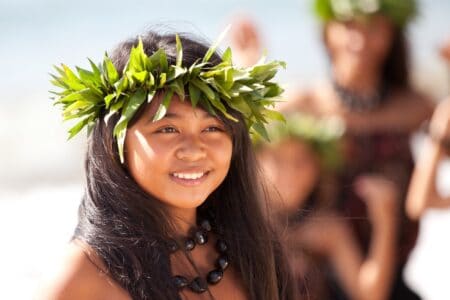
x=127, y=227
x=395, y=72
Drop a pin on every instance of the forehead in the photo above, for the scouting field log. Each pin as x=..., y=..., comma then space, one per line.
x=177, y=109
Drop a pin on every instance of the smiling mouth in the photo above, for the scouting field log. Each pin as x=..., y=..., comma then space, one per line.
x=189, y=178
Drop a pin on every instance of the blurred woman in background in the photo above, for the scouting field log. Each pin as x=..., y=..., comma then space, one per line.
x=369, y=90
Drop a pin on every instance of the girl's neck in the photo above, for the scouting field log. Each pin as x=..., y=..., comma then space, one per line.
x=184, y=218
x=363, y=83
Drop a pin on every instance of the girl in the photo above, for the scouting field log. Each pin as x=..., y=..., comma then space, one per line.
x=172, y=208
x=327, y=260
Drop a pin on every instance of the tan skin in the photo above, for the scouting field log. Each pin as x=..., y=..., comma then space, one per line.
x=293, y=168
x=422, y=193
x=165, y=158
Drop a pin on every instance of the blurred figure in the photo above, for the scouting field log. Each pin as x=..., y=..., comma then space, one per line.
x=245, y=40
x=422, y=192
x=324, y=253
x=370, y=91
x=445, y=50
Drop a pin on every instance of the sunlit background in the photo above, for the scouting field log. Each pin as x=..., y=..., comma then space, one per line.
x=41, y=174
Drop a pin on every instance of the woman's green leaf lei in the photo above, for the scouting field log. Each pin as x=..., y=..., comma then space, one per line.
x=321, y=134
x=85, y=94
x=399, y=11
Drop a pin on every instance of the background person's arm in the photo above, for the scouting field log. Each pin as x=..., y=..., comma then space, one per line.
x=422, y=192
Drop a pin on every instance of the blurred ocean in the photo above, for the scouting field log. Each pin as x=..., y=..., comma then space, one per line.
x=41, y=173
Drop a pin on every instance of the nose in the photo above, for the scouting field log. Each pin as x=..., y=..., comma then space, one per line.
x=356, y=40
x=191, y=149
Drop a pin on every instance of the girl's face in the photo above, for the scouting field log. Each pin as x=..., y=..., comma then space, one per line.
x=180, y=159
x=293, y=168
x=359, y=45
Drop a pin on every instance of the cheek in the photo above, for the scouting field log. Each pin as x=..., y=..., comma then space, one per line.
x=335, y=38
x=143, y=158
x=222, y=152
x=380, y=46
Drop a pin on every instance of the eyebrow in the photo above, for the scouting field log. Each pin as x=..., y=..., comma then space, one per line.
x=172, y=115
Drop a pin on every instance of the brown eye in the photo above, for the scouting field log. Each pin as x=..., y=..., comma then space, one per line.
x=213, y=129
x=167, y=129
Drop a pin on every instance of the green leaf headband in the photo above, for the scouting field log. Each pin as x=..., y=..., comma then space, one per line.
x=400, y=11
x=249, y=91
x=321, y=134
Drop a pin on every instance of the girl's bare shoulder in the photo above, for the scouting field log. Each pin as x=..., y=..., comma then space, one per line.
x=80, y=275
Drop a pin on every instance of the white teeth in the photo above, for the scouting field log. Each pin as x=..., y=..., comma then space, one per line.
x=188, y=175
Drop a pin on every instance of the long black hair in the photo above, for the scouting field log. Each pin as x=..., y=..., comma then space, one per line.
x=127, y=228
x=395, y=72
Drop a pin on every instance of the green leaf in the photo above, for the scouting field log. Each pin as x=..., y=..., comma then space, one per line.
x=207, y=105
x=118, y=104
x=120, y=132
x=179, y=51
x=194, y=94
x=264, y=72
x=58, y=82
x=175, y=73
x=204, y=88
x=155, y=59
x=227, y=56
x=80, y=113
x=214, y=46
x=164, y=106
x=130, y=107
x=219, y=105
x=140, y=76
x=261, y=130
x=115, y=108
x=150, y=84
x=150, y=96
x=274, y=115
x=111, y=73
x=87, y=76
x=121, y=85
x=77, y=128
x=69, y=98
x=323, y=9
x=69, y=78
x=178, y=87
x=108, y=99
x=133, y=104
x=76, y=106
x=95, y=70
x=164, y=64
x=138, y=60
x=162, y=80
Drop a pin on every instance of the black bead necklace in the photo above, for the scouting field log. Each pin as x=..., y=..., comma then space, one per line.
x=198, y=284
x=357, y=102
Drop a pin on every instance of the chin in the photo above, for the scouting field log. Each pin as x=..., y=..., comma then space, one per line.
x=188, y=202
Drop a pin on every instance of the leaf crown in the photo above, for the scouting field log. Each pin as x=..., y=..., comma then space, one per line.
x=321, y=134
x=86, y=94
x=399, y=11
